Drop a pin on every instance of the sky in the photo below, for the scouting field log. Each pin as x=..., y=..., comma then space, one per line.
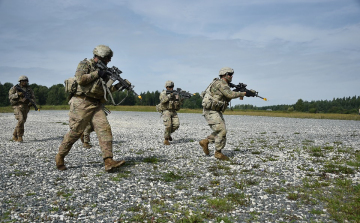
x=284, y=49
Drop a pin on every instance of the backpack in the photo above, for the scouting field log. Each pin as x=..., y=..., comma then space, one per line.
x=71, y=85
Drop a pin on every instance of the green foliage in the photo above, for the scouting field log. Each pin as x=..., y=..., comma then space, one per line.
x=4, y=94
x=55, y=95
x=171, y=176
x=345, y=105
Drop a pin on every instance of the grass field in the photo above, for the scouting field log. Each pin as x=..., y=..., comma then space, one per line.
x=227, y=112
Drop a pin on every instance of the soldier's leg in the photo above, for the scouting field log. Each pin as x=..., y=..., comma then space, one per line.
x=220, y=138
x=204, y=143
x=81, y=112
x=86, y=136
x=21, y=117
x=17, y=117
x=213, y=118
x=167, y=123
x=175, y=122
x=103, y=131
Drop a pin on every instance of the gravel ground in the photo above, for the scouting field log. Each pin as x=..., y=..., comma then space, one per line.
x=168, y=183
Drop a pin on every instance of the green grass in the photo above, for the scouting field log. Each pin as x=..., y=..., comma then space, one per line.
x=151, y=160
x=171, y=176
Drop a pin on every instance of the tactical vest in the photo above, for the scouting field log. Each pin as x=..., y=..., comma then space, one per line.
x=209, y=102
x=170, y=105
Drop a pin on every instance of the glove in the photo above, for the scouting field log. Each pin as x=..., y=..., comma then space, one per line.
x=20, y=94
x=29, y=104
x=103, y=73
x=250, y=93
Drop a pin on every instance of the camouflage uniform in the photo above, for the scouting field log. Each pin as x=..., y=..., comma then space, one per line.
x=169, y=104
x=85, y=137
x=169, y=115
x=21, y=107
x=89, y=128
x=86, y=107
x=215, y=102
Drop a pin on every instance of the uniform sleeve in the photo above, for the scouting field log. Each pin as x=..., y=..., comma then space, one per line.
x=228, y=93
x=13, y=94
x=163, y=97
x=83, y=75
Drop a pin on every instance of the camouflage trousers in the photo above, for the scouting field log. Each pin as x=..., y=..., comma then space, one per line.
x=171, y=122
x=89, y=128
x=83, y=111
x=20, y=112
x=216, y=122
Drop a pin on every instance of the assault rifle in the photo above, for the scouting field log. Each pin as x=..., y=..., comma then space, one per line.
x=27, y=95
x=181, y=93
x=241, y=87
x=114, y=74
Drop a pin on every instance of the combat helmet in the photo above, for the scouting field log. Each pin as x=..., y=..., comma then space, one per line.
x=103, y=51
x=23, y=78
x=225, y=70
x=169, y=84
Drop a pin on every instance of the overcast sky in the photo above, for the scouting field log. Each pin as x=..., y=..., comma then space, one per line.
x=284, y=49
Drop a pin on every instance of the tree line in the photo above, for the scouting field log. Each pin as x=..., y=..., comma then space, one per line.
x=345, y=105
x=55, y=95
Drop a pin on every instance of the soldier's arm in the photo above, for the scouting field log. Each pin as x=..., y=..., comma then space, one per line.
x=83, y=75
x=13, y=94
x=164, y=98
x=228, y=93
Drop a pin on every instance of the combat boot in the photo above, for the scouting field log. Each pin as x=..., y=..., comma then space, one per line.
x=170, y=138
x=220, y=156
x=166, y=141
x=205, y=145
x=20, y=139
x=111, y=164
x=87, y=145
x=60, y=164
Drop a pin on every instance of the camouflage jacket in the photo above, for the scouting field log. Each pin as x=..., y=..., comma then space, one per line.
x=218, y=95
x=89, y=82
x=169, y=103
x=16, y=99
x=221, y=91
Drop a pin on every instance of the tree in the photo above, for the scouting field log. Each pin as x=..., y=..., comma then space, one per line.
x=299, y=106
x=4, y=93
x=56, y=95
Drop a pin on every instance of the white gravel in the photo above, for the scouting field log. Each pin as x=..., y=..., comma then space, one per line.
x=265, y=152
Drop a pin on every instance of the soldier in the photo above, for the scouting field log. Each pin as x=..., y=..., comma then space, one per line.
x=216, y=99
x=169, y=104
x=85, y=137
x=21, y=106
x=86, y=106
